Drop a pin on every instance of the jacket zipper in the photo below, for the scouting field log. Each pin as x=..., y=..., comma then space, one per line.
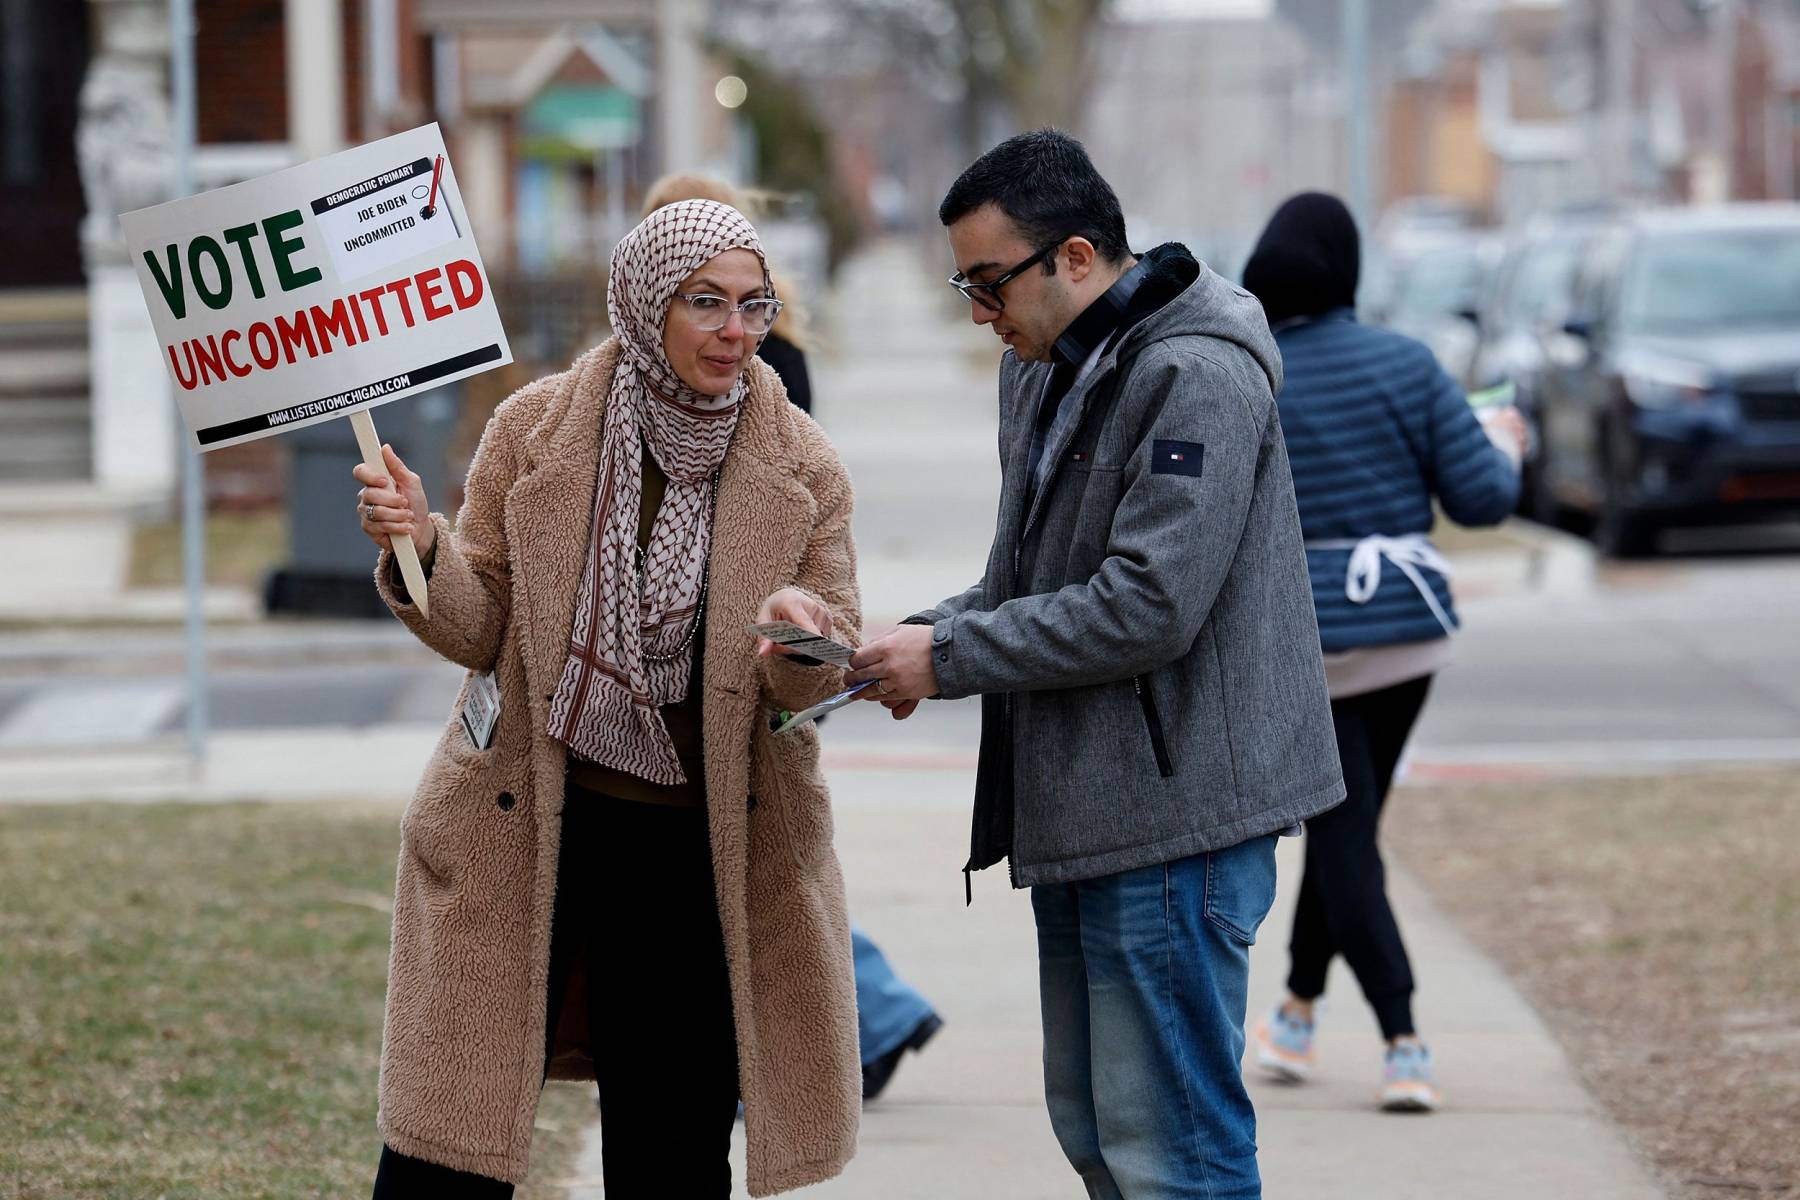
x=1101, y=370
x=1153, y=723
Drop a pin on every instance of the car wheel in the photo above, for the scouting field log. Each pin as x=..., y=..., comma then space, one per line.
x=1537, y=500
x=1622, y=531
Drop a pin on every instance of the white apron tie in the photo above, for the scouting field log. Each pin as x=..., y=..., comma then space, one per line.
x=1409, y=553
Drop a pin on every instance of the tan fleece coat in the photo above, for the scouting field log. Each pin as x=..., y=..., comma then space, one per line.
x=463, y=1049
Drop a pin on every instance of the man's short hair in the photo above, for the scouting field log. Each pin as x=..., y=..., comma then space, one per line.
x=1046, y=184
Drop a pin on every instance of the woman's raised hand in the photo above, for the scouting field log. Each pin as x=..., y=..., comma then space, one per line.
x=392, y=503
x=791, y=604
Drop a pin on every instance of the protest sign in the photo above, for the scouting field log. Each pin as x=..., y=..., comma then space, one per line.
x=318, y=292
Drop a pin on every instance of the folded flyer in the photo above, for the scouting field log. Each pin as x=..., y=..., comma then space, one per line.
x=783, y=722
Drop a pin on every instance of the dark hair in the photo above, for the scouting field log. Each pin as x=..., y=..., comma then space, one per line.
x=1046, y=184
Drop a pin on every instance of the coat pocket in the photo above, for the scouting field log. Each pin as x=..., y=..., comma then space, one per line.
x=460, y=787
x=791, y=819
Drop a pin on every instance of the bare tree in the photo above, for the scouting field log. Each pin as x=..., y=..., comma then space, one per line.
x=1005, y=64
x=1034, y=54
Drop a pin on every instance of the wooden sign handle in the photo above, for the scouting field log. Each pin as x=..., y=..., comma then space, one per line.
x=404, y=551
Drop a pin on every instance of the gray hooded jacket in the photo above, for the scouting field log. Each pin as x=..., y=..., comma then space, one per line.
x=1144, y=639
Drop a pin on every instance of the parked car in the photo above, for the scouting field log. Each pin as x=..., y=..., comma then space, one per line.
x=1407, y=229
x=1417, y=216
x=1436, y=295
x=1674, y=396
x=1521, y=320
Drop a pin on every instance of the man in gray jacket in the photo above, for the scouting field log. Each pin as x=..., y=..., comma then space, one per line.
x=1153, y=699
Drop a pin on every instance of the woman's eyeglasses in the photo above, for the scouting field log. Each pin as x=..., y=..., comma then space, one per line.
x=988, y=294
x=707, y=312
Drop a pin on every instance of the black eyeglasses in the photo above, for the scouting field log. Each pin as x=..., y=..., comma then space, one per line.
x=988, y=294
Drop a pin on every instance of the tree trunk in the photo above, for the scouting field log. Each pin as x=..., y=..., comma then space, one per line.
x=1049, y=65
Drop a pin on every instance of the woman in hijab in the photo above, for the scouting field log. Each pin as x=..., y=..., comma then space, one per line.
x=1376, y=432
x=786, y=344
x=631, y=880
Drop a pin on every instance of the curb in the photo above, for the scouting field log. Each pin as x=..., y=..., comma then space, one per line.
x=143, y=608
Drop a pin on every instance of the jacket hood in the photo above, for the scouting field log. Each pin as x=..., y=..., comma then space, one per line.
x=1206, y=305
x=1308, y=259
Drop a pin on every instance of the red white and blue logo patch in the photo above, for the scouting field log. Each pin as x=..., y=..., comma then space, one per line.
x=1177, y=458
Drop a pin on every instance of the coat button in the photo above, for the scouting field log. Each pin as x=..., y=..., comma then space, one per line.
x=506, y=802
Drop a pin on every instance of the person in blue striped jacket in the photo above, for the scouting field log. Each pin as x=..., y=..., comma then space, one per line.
x=1376, y=431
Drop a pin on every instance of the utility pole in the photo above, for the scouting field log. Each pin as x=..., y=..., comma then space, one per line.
x=1779, y=153
x=1726, y=128
x=680, y=86
x=1357, y=134
x=1619, y=36
x=193, y=499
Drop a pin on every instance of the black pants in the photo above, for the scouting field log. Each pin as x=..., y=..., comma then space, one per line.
x=635, y=898
x=1343, y=905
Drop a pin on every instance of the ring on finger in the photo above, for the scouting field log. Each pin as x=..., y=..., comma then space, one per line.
x=369, y=511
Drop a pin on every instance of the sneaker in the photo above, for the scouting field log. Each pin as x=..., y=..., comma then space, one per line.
x=1407, y=1085
x=1284, y=1047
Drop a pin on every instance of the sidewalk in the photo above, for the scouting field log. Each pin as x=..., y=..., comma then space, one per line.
x=966, y=1117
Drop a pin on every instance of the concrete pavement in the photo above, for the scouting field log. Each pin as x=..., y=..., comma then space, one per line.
x=965, y=1118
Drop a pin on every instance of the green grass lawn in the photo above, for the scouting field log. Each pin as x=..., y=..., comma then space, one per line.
x=191, y=999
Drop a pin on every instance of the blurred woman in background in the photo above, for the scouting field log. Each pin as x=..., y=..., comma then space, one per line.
x=1376, y=433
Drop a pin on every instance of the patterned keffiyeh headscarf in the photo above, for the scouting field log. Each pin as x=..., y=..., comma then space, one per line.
x=626, y=650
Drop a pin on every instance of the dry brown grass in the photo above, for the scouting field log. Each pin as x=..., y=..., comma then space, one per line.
x=1655, y=923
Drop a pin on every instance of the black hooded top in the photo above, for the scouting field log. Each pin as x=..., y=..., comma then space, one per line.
x=1307, y=260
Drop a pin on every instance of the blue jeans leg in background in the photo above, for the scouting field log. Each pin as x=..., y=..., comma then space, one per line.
x=887, y=1010
x=1144, y=978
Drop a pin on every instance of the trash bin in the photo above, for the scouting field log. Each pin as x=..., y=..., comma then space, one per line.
x=331, y=565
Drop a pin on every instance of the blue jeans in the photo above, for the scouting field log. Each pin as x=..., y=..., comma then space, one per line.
x=887, y=1011
x=1144, y=977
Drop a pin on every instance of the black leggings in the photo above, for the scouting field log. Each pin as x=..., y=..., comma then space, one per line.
x=402, y=1177
x=1343, y=905
x=635, y=897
